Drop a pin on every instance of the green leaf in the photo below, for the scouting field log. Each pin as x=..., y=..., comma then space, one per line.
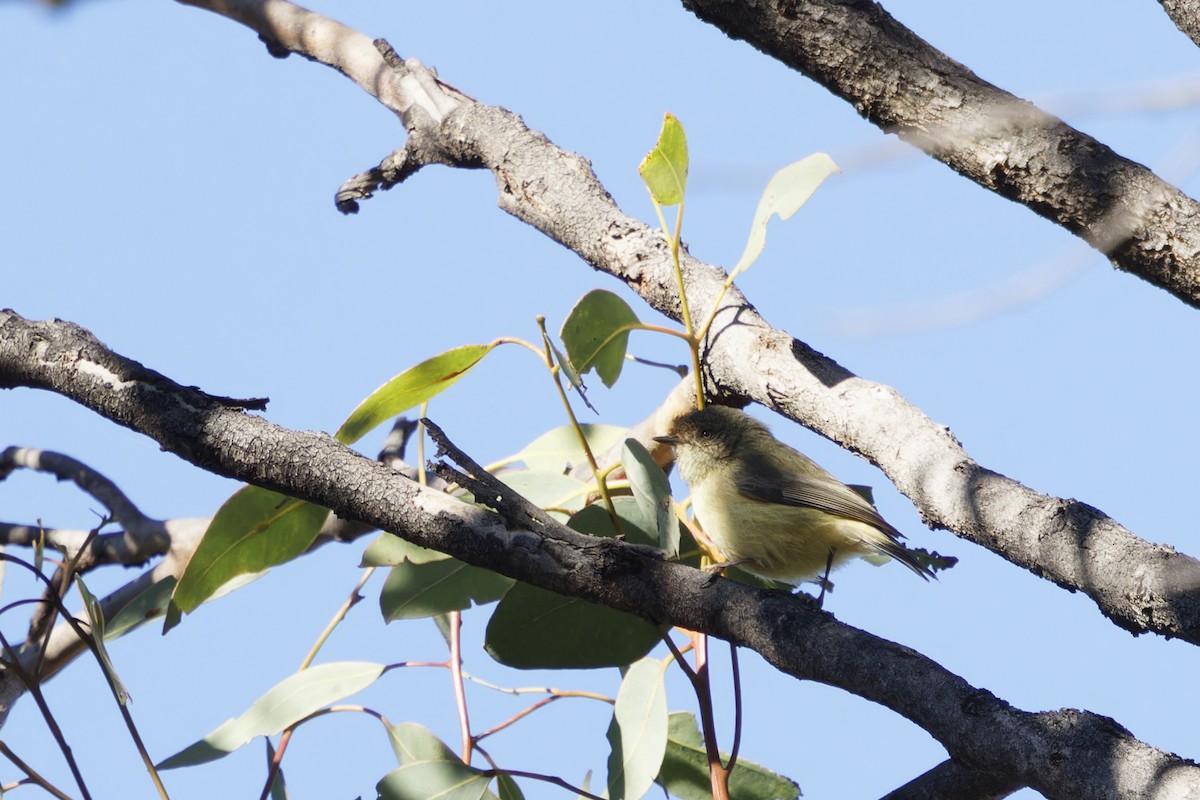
x=547, y=489
x=95, y=615
x=532, y=628
x=434, y=780
x=288, y=702
x=254, y=530
x=508, y=788
x=684, y=770
x=144, y=607
x=413, y=742
x=652, y=493
x=279, y=783
x=596, y=333
x=557, y=450
x=388, y=550
x=638, y=732
x=638, y=527
x=787, y=190
x=411, y=388
x=415, y=591
x=664, y=169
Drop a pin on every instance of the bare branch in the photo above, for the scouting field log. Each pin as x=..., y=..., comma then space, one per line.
x=899, y=82
x=976, y=727
x=142, y=539
x=951, y=780
x=1186, y=16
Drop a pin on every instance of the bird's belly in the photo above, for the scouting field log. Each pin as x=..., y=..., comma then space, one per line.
x=779, y=542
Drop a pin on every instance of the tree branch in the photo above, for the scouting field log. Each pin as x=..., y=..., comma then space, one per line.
x=899, y=82
x=1064, y=754
x=1186, y=16
x=1138, y=585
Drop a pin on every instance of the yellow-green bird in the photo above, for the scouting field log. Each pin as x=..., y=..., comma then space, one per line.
x=771, y=509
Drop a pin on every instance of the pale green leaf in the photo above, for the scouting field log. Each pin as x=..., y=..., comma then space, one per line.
x=285, y=704
x=685, y=774
x=414, y=742
x=665, y=168
x=95, y=615
x=434, y=780
x=786, y=192
x=596, y=334
x=145, y=606
x=559, y=449
x=532, y=628
x=638, y=733
x=254, y=530
x=388, y=550
x=416, y=591
x=652, y=493
x=411, y=388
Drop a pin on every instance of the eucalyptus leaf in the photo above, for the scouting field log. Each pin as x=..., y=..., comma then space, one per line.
x=652, y=493
x=416, y=591
x=786, y=192
x=411, y=388
x=596, y=334
x=285, y=704
x=388, y=550
x=638, y=732
x=664, y=170
x=434, y=780
x=559, y=449
x=255, y=529
x=532, y=628
x=685, y=774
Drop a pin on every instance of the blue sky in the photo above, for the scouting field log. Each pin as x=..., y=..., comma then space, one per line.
x=170, y=186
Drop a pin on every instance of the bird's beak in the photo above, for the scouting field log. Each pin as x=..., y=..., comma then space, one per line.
x=671, y=440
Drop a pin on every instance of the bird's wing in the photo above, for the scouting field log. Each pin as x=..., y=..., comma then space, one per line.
x=769, y=484
x=794, y=490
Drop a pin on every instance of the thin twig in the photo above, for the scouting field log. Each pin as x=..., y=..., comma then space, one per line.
x=32, y=774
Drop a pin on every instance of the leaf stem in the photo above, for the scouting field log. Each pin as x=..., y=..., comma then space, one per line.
x=601, y=485
x=460, y=696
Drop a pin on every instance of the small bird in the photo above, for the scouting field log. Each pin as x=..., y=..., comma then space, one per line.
x=771, y=509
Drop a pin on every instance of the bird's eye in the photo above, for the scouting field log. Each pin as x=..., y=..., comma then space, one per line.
x=705, y=433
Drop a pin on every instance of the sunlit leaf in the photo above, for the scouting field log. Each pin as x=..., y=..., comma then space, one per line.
x=288, y=702
x=685, y=774
x=558, y=449
x=596, y=334
x=786, y=192
x=638, y=733
x=415, y=591
x=411, y=388
x=388, y=550
x=254, y=530
x=547, y=489
x=413, y=742
x=532, y=628
x=434, y=780
x=653, y=494
x=665, y=168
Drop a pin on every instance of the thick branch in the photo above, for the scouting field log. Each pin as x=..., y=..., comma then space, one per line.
x=1186, y=16
x=1062, y=754
x=1140, y=586
x=899, y=82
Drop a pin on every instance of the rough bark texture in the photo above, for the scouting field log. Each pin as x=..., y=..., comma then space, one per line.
x=899, y=82
x=1064, y=753
x=1186, y=16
